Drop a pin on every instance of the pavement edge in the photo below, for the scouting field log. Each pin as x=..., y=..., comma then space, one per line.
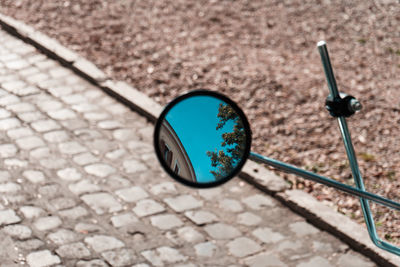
x=302, y=203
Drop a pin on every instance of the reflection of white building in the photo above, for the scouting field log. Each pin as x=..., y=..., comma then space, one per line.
x=174, y=153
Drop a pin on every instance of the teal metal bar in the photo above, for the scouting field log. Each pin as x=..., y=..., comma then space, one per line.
x=369, y=220
x=323, y=180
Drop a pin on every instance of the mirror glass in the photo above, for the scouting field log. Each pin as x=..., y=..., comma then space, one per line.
x=202, y=138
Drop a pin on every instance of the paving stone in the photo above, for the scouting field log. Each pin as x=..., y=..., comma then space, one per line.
x=124, y=134
x=258, y=202
x=206, y=249
x=31, y=212
x=53, y=163
x=8, y=150
x=100, y=169
x=73, y=99
x=31, y=116
x=83, y=187
x=242, y=247
x=132, y=194
x=36, y=58
x=249, y=219
x=21, y=107
x=47, y=223
x=140, y=146
x=316, y=261
x=63, y=236
x=163, y=254
x=61, y=203
x=56, y=136
x=289, y=245
x=29, y=245
x=45, y=64
x=123, y=220
x=8, y=217
x=92, y=263
x=74, y=213
x=152, y=257
x=17, y=64
x=73, y=251
x=352, y=260
x=75, y=124
x=189, y=234
x=14, y=86
x=71, y=148
x=30, y=142
x=40, y=153
x=4, y=113
x=10, y=123
x=19, y=132
x=183, y=203
x=60, y=91
x=69, y=174
x=15, y=163
x=10, y=188
x=96, y=116
x=18, y=231
x=101, y=243
x=28, y=71
x=116, y=154
x=230, y=205
x=37, y=78
x=121, y=257
x=102, y=202
x=264, y=259
x=62, y=114
x=93, y=94
x=4, y=176
x=42, y=258
x=146, y=133
x=267, y=235
x=88, y=134
x=303, y=228
x=8, y=99
x=321, y=246
x=116, y=182
x=134, y=166
x=141, y=265
x=45, y=125
x=59, y=72
x=49, y=105
x=222, y=231
x=109, y=125
x=83, y=107
x=163, y=188
x=166, y=221
x=210, y=194
x=34, y=176
x=201, y=217
x=50, y=190
x=85, y=158
x=147, y=207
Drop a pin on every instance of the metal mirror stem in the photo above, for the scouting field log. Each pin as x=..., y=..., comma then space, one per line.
x=344, y=130
x=360, y=189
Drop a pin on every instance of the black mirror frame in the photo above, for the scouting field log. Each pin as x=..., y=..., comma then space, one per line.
x=202, y=92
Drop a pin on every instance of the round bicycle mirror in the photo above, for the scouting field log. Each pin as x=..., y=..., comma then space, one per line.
x=202, y=139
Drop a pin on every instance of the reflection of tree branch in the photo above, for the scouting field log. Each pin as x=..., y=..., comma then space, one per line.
x=226, y=162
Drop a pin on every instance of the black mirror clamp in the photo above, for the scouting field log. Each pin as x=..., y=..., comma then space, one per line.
x=342, y=106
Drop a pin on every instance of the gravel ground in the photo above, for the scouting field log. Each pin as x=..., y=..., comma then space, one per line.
x=263, y=54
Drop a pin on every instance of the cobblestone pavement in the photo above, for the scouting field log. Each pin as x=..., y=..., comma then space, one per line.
x=80, y=186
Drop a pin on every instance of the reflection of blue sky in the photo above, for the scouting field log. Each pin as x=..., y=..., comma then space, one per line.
x=194, y=121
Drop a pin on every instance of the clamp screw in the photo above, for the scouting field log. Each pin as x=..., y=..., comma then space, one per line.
x=355, y=105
